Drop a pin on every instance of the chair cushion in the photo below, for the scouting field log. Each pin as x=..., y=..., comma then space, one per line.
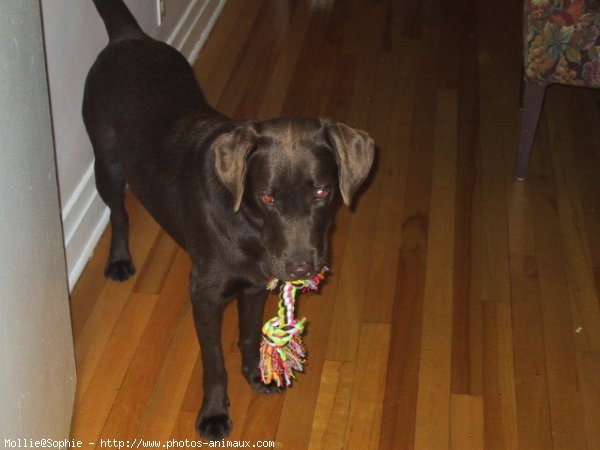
x=562, y=42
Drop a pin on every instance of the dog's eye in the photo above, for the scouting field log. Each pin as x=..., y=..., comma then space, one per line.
x=321, y=192
x=267, y=198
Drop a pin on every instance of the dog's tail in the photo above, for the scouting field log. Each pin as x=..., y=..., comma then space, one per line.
x=117, y=18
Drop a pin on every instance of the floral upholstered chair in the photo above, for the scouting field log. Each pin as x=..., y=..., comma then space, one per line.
x=562, y=45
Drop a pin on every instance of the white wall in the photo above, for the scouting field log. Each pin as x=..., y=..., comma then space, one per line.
x=74, y=34
x=37, y=365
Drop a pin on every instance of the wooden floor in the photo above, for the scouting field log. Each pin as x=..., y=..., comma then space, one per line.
x=462, y=307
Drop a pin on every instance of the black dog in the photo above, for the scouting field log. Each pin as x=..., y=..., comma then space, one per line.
x=245, y=199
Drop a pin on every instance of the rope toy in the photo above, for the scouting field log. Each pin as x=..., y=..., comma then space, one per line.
x=282, y=350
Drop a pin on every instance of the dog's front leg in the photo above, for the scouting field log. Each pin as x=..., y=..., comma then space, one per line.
x=251, y=304
x=213, y=419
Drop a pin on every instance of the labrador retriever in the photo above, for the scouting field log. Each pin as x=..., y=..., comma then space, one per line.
x=246, y=199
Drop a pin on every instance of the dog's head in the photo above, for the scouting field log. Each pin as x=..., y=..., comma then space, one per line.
x=287, y=172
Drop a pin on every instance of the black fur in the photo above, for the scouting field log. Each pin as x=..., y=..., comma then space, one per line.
x=245, y=199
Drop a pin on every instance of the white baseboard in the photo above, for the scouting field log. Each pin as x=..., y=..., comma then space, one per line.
x=85, y=216
x=194, y=27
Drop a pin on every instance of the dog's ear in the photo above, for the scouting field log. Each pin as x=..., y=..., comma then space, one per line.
x=354, y=151
x=229, y=152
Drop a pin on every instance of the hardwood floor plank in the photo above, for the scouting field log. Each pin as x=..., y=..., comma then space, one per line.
x=190, y=404
x=413, y=19
x=533, y=412
x=466, y=423
x=96, y=400
x=500, y=404
x=400, y=400
x=392, y=160
x=475, y=309
x=559, y=336
x=346, y=319
x=314, y=87
x=466, y=293
x=285, y=66
x=345, y=323
x=586, y=164
x=399, y=409
x=588, y=178
x=89, y=286
x=364, y=417
x=208, y=60
x=261, y=417
x=156, y=267
x=214, y=68
x=496, y=128
x=589, y=374
x=165, y=400
x=582, y=284
x=146, y=366
x=432, y=427
x=330, y=421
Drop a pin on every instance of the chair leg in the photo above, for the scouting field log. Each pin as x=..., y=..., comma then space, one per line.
x=521, y=93
x=533, y=99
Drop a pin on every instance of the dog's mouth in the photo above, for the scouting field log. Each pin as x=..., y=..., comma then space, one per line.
x=292, y=271
x=302, y=277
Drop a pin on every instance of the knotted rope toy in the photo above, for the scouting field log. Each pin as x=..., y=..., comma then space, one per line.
x=282, y=350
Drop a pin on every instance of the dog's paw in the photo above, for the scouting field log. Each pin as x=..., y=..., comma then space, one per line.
x=253, y=378
x=215, y=427
x=270, y=388
x=119, y=270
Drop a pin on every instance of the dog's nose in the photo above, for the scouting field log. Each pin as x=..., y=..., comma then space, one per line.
x=299, y=270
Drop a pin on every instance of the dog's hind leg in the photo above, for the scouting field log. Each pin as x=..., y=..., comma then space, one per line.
x=111, y=183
